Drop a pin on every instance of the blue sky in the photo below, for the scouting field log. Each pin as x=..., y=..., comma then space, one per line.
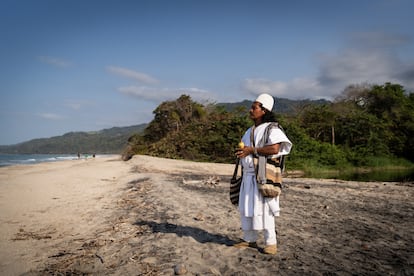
x=85, y=65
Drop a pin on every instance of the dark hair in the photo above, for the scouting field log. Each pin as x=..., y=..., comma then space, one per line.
x=269, y=116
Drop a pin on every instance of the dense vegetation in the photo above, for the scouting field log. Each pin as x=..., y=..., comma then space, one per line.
x=112, y=140
x=364, y=125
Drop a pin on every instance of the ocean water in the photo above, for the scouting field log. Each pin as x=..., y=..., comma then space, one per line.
x=25, y=159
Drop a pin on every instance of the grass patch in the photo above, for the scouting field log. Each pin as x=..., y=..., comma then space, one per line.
x=376, y=169
x=386, y=162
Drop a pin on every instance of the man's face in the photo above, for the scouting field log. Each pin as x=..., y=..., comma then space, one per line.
x=256, y=111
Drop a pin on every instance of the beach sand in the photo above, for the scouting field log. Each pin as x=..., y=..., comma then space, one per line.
x=154, y=216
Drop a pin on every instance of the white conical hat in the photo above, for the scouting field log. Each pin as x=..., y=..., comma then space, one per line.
x=266, y=100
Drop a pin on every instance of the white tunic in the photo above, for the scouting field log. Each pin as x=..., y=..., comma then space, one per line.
x=251, y=202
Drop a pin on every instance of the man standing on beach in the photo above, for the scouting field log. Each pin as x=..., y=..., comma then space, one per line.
x=257, y=212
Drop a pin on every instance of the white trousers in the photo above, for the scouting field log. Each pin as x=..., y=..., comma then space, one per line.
x=251, y=235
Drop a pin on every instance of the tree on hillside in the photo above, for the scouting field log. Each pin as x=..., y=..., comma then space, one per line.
x=188, y=130
x=365, y=120
x=376, y=120
x=319, y=122
x=170, y=116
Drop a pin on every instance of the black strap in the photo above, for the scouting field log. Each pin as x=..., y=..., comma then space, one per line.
x=236, y=168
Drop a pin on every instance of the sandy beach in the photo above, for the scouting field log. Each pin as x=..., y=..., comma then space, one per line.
x=154, y=216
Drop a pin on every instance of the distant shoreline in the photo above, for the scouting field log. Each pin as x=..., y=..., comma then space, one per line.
x=9, y=159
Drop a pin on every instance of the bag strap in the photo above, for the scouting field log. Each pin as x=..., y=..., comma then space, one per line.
x=260, y=168
x=252, y=143
x=236, y=168
x=281, y=159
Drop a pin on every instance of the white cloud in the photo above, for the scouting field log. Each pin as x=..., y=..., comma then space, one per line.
x=50, y=116
x=73, y=105
x=77, y=104
x=124, y=72
x=406, y=74
x=356, y=67
x=376, y=39
x=258, y=86
x=154, y=93
x=369, y=58
x=58, y=62
x=363, y=66
x=163, y=94
x=297, y=88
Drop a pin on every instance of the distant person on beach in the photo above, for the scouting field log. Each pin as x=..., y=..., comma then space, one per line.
x=257, y=213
